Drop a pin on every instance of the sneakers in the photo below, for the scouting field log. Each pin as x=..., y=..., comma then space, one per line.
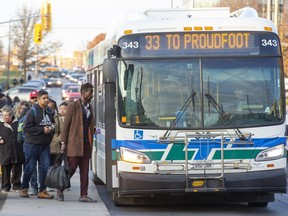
x=87, y=199
x=24, y=193
x=44, y=195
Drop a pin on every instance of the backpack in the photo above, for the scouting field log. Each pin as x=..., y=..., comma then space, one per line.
x=20, y=134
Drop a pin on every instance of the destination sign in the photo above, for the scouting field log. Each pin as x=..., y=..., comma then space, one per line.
x=198, y=43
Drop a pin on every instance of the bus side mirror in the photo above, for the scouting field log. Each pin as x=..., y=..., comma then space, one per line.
x=109, y=70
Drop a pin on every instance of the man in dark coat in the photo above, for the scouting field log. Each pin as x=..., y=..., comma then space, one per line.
x=11, y=152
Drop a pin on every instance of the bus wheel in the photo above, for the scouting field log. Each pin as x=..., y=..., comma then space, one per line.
x=258, y=204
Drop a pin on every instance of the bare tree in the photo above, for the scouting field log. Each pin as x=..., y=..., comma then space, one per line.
x=22, y=38
x=22, y=35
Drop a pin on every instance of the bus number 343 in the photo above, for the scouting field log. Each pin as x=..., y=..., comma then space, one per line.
x=132, y=44
x=269, y=42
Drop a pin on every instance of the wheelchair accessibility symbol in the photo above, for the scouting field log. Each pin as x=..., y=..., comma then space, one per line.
x=138, y=134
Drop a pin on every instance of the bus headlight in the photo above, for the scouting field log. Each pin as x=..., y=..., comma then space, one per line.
x=133, y=156
x=273, y=153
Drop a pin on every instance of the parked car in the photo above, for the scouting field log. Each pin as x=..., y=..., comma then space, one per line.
x=72, y=93
x=20, y=93
x=65, y=87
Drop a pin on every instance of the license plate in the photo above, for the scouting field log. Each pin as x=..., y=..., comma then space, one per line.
x=203, y=165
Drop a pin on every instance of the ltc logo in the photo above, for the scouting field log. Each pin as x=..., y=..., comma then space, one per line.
x=138, y=134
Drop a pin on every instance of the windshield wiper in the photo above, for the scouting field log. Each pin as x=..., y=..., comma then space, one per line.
x=219, y=108
x=179, y=114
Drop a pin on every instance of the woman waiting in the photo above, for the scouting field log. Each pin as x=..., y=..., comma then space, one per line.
x=11, y=152
x=20, y=107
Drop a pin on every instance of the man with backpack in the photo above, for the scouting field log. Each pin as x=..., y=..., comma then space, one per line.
x=39, y=131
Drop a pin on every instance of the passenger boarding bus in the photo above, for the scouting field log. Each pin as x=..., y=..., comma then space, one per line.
x=190, y=102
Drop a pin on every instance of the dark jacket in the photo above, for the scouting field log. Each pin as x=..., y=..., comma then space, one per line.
x=34, y=125
x=73, y=129
x=10, y=151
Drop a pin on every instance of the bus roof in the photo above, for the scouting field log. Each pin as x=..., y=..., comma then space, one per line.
x=180, y=20
x=182, y=13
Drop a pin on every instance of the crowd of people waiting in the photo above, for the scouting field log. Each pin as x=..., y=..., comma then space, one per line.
x=31, y=137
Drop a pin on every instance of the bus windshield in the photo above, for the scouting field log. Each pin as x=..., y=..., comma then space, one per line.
x=201, y=92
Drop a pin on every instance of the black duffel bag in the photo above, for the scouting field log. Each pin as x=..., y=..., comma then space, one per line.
x=58, y=175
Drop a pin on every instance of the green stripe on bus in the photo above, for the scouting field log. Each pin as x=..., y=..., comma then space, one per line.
x=177, y=152
x=236, y=154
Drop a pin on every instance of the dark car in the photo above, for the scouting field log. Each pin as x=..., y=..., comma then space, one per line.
x=54, y=82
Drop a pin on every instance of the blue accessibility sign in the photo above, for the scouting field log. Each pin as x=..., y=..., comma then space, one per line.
x=138, y=134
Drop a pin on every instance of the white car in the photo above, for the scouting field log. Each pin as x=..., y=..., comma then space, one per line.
x=20, y=93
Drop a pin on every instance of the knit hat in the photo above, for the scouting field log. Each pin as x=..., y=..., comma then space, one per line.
x=33, y=94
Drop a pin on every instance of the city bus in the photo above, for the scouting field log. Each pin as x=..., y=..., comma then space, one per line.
x=189, y=103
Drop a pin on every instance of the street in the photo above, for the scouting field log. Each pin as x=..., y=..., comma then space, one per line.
x=279, y=207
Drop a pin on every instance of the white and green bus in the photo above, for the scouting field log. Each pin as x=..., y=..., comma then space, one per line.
x=190, y=102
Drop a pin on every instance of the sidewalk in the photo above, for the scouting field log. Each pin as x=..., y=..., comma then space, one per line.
x=17, y=206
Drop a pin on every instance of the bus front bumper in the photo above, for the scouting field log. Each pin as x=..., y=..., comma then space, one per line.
x=272, y=181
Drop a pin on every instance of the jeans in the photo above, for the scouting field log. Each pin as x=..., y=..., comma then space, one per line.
x=34, y=178
x=34, y=153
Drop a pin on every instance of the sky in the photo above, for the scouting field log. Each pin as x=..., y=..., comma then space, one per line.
x=75, y=22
